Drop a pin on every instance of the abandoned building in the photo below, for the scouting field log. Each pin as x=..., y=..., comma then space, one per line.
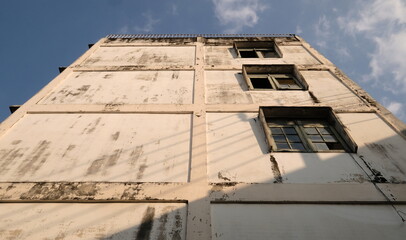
x=202, y=136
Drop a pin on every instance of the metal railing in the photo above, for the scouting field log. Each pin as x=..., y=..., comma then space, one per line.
x=197, y=35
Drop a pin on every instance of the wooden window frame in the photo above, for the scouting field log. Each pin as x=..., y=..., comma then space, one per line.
x=299, y=116
x=271, y=73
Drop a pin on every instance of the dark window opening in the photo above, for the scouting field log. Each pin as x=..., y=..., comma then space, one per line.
x=257, y=49
x=248, y=54
x=261, y=83
x=274, y=77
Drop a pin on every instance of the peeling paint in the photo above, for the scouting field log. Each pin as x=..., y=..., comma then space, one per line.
x=60, y=191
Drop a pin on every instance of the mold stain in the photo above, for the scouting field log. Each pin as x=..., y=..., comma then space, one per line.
x=275, y=170
x=162, y=226
x=60, y=191
x=314, y=98
x=104, y=162
x=79, y=91
x=8, y=156
x=144, y=58
x=177, y=227
x=108, y=76
x=131, y=192
x=16, y=142
x=36, y=159
x=115, y=136
x=135, y=155
x=145, y=228
x=68, y=149
x=175, y=75
x=155, y=77
x=141, y=169
x=220, y=176
x=11, y=234
x=91, y=126
x=384, y=152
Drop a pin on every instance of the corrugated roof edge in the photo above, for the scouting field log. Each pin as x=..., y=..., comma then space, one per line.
x=196, y=35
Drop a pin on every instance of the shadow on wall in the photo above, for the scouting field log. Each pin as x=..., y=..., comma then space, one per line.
x=235, y=220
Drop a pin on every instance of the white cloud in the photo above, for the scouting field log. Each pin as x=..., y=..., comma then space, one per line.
x=123, y=30
x=381, y=13
x=395, y=107
x=383, y=22
x=299, y=30
x=237, y=14
x=174, y=9
x=322, y=30
x=150, y=22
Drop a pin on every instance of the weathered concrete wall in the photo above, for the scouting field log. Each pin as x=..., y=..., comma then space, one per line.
x=92, y=221
x=229, y=87
x=237, y=152
x=142, y=55
x=301, y=221
x=330, y=91
x=379, y=145
x=133, y=87
x=97, y=147
x=226, y=55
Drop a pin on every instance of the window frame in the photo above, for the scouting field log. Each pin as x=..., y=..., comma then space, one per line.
x=259, y=47
x=271, y=73
x=298, y=115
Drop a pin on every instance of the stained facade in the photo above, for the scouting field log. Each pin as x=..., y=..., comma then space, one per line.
x=202, y=137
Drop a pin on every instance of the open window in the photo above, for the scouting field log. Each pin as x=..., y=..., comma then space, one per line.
x=273, y=77
x=259, y=49
x=304, y=129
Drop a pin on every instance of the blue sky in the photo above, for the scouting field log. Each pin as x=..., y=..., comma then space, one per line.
x=365, y=38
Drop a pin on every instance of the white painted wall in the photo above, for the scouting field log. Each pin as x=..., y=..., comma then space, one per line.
x=70, y=221
x=237, y=152
x=301, y=221
x=380, y=146
x=118, y=87
x=229, y=87
x=141, y=55
x=331, y=92
x=97, y=147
